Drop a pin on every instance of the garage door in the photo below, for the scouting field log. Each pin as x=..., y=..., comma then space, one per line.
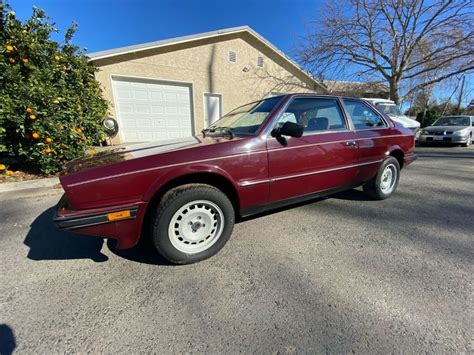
x=151, y=110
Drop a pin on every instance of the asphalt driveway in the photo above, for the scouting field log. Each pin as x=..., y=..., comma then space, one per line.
x=342, y=274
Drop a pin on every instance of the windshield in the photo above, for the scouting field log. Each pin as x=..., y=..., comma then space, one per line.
x=452, y=121
x=247, y=119
x=389, y=109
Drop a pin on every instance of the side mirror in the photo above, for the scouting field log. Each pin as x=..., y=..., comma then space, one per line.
x=290, y=129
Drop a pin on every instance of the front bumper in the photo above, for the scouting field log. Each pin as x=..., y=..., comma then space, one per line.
x=122, y=222
x=447, y=138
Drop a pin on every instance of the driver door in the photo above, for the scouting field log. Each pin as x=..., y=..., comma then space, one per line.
x=324, y=158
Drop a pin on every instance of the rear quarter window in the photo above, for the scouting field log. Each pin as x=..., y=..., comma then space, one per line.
x=363, y=117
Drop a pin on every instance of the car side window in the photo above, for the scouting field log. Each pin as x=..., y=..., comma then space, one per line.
x=286, y=117
x=363, y=116
x=315, y=114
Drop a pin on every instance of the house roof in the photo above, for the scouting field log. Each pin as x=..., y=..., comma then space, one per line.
x=356, y=87
x=195, y=37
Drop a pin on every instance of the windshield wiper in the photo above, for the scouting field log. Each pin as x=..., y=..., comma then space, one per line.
x=218, y=131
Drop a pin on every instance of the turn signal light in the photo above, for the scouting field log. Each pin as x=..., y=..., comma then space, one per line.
x=118, y=215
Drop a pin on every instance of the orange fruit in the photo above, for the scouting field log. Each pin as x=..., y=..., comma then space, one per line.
x=9, y=48
x=2, y=167
x=47, y=150
x=35, y=135
x=32, y=117
x=25, y=60
x=29, y=110
x=57, y=58
x=78, y=130
x=9, y=172
x=12, y=60
x=49, y=140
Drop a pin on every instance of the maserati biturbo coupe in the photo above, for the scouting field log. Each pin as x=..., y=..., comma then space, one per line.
x=186, y=194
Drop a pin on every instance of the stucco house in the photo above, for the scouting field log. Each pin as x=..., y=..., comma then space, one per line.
x=176, y=87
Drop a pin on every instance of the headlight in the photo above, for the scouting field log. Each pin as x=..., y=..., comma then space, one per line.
x=462, y=132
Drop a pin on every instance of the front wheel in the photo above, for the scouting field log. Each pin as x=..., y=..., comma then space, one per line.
x=385, y=182
x=468, y=143
x=192, y=223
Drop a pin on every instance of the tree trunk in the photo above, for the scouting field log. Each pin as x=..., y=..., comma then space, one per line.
x=394, y=91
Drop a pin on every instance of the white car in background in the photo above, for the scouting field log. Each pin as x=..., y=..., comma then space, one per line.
x=391, y=109
x=449, y=129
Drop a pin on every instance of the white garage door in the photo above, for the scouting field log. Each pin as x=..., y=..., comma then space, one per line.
x=151, y=110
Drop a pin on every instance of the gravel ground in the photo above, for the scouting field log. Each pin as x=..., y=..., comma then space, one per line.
x=342, y=274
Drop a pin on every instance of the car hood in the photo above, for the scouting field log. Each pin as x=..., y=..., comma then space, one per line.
x=445, y=128
x=134, y=151
x=406, y=122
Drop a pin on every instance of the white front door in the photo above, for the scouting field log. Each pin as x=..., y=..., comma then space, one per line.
x=212, y=108
x=151, y=110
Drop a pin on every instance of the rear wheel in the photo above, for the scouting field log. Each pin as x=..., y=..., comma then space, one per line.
x=192, y=223
x=385, y=182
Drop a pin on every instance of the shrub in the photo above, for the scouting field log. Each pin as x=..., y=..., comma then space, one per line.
x=431, y=115
x=51, y=106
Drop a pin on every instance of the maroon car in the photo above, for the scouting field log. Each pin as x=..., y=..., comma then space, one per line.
x=187, y=193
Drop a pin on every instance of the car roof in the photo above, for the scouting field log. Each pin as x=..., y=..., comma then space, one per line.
x=374, y=99
x=311, y=94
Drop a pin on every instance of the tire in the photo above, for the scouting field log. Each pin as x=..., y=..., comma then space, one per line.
x=468, y=143
x=385, y=182
x=192, y=223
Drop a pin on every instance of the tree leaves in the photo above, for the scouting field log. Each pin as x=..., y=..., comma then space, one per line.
x=54, y=83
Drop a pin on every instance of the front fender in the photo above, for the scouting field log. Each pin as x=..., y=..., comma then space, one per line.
x=183, y=172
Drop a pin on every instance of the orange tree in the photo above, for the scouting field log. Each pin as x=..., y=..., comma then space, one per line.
x=51, y=106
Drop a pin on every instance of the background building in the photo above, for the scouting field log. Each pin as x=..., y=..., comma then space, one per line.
x=358, y=89
x=176, y=87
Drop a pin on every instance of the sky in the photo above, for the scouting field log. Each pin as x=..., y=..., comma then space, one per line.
x=105, y=24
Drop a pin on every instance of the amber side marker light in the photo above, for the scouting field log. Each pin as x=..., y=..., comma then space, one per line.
x=114, y=216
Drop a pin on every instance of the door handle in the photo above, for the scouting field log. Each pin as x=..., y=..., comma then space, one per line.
x=351, y=143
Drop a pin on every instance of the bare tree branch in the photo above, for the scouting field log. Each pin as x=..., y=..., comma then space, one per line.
x=395, y=40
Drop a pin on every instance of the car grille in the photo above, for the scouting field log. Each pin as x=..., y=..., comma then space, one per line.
x=440, y=133
x=445, y=139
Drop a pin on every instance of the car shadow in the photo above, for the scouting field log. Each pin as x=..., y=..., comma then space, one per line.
x=7, y=340
x=46, y=242
x=144, y=252
x=350, y=195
